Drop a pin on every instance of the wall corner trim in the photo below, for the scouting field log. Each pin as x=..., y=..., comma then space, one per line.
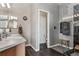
x=32, y=47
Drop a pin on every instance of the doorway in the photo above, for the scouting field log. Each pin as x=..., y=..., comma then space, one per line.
x=43, y=29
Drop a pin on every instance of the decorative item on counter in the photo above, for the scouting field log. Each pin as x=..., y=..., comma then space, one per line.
x=24, y=18
x=20, y=29
x=9, y=29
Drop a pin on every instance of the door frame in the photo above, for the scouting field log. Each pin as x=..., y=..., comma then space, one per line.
x=48, y=28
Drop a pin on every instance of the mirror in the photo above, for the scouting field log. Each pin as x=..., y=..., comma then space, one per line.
x=3, y=24
x=12, y=24
x=3, y=17
x=7, y=23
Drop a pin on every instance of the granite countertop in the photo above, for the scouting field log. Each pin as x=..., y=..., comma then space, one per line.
x=11, y=41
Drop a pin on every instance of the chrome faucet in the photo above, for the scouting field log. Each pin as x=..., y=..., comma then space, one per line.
x=4, y=34
x=0, y=38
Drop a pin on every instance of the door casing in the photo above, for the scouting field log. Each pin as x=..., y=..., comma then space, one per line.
x=48, y=29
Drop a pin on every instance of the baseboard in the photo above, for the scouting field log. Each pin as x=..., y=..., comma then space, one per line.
x=53, y=45
x=60, y=45
x=32, y=47
x=27, y=45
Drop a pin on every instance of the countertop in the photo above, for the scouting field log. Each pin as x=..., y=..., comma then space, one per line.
x=11, y=41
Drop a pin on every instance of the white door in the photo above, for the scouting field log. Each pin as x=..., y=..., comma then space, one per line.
x=43, y=27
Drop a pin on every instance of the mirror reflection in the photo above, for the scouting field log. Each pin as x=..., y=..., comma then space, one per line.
x=7, y=23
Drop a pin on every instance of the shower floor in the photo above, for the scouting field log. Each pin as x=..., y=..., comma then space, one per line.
x=66, y=51
x=61, y=49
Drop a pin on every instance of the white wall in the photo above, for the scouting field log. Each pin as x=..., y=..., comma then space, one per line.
x=30, y=26
x=65, y=11
x=19, y=10
x=53, y=10
x=34, y=26
x=23, y=9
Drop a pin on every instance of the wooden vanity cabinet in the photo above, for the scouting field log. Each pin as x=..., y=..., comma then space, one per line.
x=18, y=50
x=9, y=52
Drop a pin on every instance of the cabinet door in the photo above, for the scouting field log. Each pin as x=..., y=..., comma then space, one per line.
x=9, y=52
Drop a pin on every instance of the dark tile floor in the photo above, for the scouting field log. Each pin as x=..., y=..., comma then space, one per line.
x=42, y=52
x=63, y=50
x=73, y=52
x=43, y=46
x=55, y=51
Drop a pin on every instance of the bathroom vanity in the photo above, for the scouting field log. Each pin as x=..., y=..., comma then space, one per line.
x=14, y=45
x=10, y=44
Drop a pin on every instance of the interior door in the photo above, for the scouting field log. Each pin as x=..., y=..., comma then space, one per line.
x=43, y=27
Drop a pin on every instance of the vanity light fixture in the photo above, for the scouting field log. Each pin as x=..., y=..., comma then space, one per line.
x=5, y=5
